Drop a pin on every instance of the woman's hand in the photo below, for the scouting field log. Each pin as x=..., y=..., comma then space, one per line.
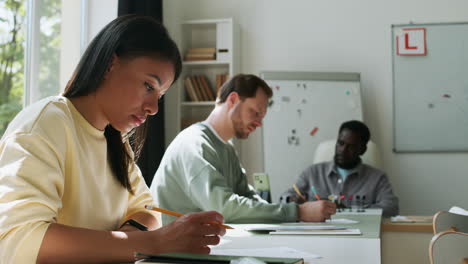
x=190, y=233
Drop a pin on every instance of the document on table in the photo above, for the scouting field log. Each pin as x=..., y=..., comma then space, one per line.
x=267, y=227
x=277, y=252
x=411, y=219
x=317, y=232
x=333, y=221
x=458, y=210
x=342, y=221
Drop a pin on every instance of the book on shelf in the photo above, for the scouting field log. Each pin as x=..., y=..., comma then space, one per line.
x=199, y=57
x=203, y=258
x=190, y=90
x=201, y=88
x=208, y=91
x=202, y=50
x=200, y=54
x=220, y=80
x=198, y=89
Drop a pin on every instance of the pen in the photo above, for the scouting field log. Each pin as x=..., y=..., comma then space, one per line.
x=315, y=193
x=164, y=211
x=299, y=192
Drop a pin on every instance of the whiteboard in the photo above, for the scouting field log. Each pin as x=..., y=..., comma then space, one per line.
x=307, y=108
x=431, y=92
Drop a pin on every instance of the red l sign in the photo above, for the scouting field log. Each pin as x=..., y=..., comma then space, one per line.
x=411, y=42
x=407, y=46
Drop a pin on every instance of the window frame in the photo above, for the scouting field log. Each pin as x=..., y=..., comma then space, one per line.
x=32, y=46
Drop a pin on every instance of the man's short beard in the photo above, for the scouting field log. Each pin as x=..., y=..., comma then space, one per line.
x=238, y=129
x=348, y=165
x=237, y=124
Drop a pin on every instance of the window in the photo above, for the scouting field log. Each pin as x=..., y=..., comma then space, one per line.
x=12, y=39
x=43, y=46
x=32, y=53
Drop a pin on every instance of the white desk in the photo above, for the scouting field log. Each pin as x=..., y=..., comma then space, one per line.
x=362, y=249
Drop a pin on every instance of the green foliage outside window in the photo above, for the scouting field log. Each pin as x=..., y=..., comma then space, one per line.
x=12, y=42
x=50, y=45
x=12, y=22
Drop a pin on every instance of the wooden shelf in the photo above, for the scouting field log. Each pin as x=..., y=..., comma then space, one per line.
x=203, y=103
x=203, y=63
x=205, y=76
x=424, y=226
x=207, y=21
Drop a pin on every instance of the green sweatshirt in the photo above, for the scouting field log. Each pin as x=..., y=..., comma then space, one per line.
x=201, y=172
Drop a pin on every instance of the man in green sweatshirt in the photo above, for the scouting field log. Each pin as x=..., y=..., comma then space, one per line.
x=201, y=171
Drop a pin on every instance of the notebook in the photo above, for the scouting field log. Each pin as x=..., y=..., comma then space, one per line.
x=268, y=227
x=208, y=259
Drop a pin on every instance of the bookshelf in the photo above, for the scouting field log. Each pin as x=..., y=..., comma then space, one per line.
x=210, y=50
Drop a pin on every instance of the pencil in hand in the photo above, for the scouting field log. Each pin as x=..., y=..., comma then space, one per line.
x=164, y=211
x=299, y=192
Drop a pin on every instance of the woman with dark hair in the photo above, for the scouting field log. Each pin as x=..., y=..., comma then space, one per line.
x=70, y=190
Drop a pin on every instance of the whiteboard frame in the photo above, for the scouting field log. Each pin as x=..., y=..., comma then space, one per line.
x=393, y=26
x=310, y=76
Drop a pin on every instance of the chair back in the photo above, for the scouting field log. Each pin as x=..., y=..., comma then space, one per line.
x=449, y=248
x=446, y=221
x=326, y=150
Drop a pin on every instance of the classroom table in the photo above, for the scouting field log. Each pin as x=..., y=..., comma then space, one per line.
x=362, y=249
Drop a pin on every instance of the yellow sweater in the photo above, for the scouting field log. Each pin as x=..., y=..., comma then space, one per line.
x=54, y=169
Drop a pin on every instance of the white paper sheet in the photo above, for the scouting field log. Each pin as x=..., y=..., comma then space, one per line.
x=458, y=210
x=342, y=221
x=318, y=232
x=261, y=227
x=277, y=252
x=410, y=219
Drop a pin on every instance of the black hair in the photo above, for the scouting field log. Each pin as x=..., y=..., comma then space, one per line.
x=246, y=85
x=127, y=37
x=357, y=127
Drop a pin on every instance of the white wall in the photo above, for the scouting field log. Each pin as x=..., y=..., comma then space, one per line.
x=100, y=13
x=348, y=36
x=70, y=30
